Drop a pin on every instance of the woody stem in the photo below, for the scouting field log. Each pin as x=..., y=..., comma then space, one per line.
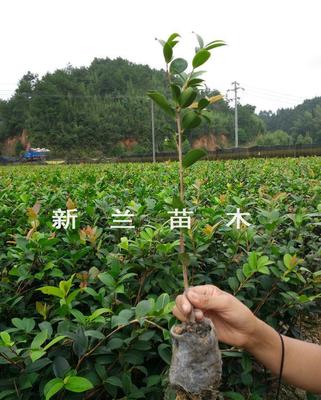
x=181, y=193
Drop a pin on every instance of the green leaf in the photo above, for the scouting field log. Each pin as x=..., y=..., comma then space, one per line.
x=37, y=365
x=98, y=312
x=79, y=316
x=80, y=342
x=40, y=338
x=200, y=40
x=36, y=354
x=161, y=100
x=192, y=156
x=52, y=387
x=178, y=66
x=191, y=120
x=214, y=44
x=153, y=380
x=176, y=92
x=60, y=367
x=233, y=283
x=168, y=52
x=200, y=58
x=78, y=384
x=143, y=308
x=53, y=342
x=122, y=318
x=203, y=103
x=247, y=271
x=171, y=40
x=5, y=393
x=6, y=339
x=107, y=279
x=287, y=261
x=165, y=352
x=252, y=260
x=115, y=343
x=162, y=301
x=52, y=290
x=115, y=381
x=187, y=97
x=25, y=324
x=194, y=82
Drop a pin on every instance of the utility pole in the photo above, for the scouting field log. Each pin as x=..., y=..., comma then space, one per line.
x=236, y=98
x=153, y=131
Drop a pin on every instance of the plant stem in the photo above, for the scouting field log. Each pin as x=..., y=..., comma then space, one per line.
x=181, y=194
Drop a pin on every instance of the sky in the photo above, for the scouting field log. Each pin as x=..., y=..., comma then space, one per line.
x=273, y=46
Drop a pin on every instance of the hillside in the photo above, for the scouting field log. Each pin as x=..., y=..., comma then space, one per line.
x=103, y=110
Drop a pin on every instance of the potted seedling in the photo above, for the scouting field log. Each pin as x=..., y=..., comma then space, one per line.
x=196, y=365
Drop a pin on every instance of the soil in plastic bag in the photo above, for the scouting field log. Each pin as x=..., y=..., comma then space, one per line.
x=196, y=365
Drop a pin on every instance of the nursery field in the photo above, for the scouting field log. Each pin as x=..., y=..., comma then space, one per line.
x=86, y=309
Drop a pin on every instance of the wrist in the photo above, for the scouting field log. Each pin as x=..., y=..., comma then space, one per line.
x=262, y=337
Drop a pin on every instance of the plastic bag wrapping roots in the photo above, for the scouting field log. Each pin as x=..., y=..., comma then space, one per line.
x=196, y=365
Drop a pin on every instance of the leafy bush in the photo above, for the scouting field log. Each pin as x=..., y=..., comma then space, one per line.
x=86, y=313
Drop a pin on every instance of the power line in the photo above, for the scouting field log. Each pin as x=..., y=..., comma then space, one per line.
x=273, y=92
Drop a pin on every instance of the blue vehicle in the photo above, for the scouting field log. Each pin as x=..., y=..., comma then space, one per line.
x=35, y=154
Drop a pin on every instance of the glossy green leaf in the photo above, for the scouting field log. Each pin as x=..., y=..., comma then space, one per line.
x=143, y=308
x=78, y=384
x=178, y=65
x=168, y=52
x=165, y=352
x=195, y=83
x=115, y=381
x=52, y=290
x=191, y=120
x=54, y=341
x=192, y=156
x=171, y=40
x=36, y=354
x=187, y=97
x=200, y=40
x=52, y=387
x=162, y=301
x=200, y=58
x=161, y=101
x=214, y=44
x=60, y=367
x=107, y=279
x=25, y=324
x=203, y=103
x=80, y=342
x=40, y=338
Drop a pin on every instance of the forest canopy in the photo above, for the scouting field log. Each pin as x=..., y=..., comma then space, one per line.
x=91, y=110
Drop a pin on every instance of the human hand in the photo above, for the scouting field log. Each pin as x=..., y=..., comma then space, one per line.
x=235, y=324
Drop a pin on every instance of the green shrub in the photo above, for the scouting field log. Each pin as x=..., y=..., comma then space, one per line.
x=92, y=306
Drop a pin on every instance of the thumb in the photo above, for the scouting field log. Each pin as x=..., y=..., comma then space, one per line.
x=213, y=300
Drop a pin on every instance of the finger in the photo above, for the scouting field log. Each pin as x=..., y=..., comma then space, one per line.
x=178, y=314
x=198, y=314
x=183, y=304
x=214, y=300
x=206, y=289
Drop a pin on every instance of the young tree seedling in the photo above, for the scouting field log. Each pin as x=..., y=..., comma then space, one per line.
x=187, y=107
